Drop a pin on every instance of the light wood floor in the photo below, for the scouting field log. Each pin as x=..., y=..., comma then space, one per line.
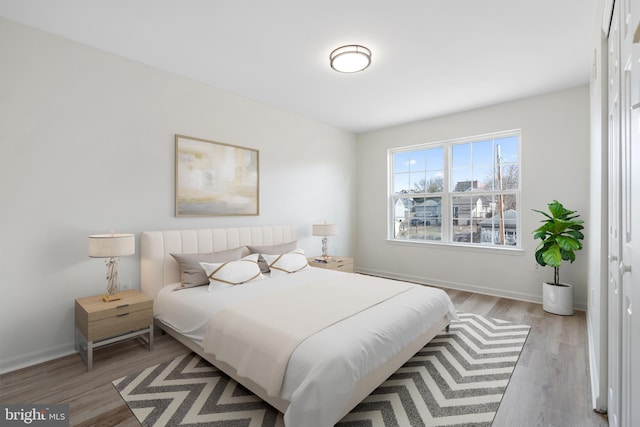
x=549, y=387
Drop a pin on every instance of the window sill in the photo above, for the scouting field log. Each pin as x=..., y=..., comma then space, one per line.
x=503, y=250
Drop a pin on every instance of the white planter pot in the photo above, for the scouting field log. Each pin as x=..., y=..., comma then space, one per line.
x=557, y=299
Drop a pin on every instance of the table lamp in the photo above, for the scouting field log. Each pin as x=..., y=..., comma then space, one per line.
x=324, y=230
x=111, y=246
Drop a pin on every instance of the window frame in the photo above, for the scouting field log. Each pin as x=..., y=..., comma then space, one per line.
x=447, y=194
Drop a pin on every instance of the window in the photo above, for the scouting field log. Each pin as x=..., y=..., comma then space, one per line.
x=465, y=191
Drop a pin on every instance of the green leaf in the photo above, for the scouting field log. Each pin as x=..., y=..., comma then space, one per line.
x=552, y=256
x=568, y=243
x=570, y=256
x=557, y=210
x=576, y=234
x=539, y=234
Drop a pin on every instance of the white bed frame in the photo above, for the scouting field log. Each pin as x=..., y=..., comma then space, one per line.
x=159, y=269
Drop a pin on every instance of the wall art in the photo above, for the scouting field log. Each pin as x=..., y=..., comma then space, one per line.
x=215, y=179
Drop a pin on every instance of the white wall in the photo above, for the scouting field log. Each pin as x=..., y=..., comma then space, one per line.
x=87, y=145
x=555, y=165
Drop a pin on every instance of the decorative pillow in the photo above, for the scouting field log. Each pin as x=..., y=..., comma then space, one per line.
x=291, y=262
x=226, y=274
x=192, y=273
x=271, y=250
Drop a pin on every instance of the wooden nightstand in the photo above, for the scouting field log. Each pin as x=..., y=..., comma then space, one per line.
x=100, y=323
x=339, y=263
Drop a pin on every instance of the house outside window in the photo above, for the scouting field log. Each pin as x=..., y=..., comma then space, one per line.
x=464, y=191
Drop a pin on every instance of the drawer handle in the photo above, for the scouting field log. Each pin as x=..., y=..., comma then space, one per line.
x=123, y=314
x=123, y=305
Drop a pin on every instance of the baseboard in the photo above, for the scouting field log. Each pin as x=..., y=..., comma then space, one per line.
x=520, y=296
x=35, y=358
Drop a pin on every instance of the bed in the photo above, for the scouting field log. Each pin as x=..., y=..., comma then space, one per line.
x=329, y=372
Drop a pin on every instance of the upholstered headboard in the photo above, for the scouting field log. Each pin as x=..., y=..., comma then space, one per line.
x=158, y=268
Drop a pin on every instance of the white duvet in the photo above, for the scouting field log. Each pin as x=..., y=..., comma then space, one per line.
x=323, y=369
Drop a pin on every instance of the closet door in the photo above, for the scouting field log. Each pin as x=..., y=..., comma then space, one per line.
x=630, y=260
x=629, y=143
x=614, y=292
x=631, y=279
x=627, y=91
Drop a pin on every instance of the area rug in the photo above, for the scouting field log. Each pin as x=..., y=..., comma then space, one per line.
x=458, y=379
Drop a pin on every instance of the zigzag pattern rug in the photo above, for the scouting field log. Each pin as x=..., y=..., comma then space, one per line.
x=458, y=379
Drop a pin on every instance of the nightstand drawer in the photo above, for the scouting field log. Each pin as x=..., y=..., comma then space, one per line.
x=119, y=308
x=345, y=266
x=120, y=323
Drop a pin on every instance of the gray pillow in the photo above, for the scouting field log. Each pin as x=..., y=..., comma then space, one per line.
x=271, y=250
x=193, y=274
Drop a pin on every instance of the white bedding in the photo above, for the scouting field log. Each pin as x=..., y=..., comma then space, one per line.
x=324, y=369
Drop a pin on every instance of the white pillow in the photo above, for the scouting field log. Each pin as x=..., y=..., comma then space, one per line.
x=226, y=274
x=291, y=262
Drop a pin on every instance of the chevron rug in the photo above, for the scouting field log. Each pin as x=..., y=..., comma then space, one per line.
x=458, y=379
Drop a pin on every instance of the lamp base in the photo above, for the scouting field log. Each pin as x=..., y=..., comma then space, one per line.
x=109, y=298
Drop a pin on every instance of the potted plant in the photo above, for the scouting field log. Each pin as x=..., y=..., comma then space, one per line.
x=560, y=237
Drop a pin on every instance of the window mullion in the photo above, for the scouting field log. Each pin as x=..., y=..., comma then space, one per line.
x=446, y=197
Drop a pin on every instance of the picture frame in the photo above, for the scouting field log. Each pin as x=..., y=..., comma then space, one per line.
x=215, y=179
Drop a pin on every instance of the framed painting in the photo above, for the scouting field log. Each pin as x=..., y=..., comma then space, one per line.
x=215, y=179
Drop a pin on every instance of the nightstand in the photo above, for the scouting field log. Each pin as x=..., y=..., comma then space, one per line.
x=100, y=323
x=339, y=263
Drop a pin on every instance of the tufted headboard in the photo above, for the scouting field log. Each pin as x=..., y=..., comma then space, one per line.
x=158, y=268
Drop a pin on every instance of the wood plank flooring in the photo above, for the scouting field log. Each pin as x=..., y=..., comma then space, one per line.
x=549, y=387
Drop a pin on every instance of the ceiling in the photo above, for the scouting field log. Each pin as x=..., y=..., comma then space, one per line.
x=429, y=57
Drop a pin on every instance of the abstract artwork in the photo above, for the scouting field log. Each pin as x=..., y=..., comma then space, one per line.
x=215, y=179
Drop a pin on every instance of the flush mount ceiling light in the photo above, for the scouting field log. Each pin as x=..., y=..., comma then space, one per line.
x=350, y=58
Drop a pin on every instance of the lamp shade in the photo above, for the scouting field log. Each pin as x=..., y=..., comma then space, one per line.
x=111, y=245
x=324, y=229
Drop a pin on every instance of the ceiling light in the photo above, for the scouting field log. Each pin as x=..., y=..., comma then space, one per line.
x=350, y=58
